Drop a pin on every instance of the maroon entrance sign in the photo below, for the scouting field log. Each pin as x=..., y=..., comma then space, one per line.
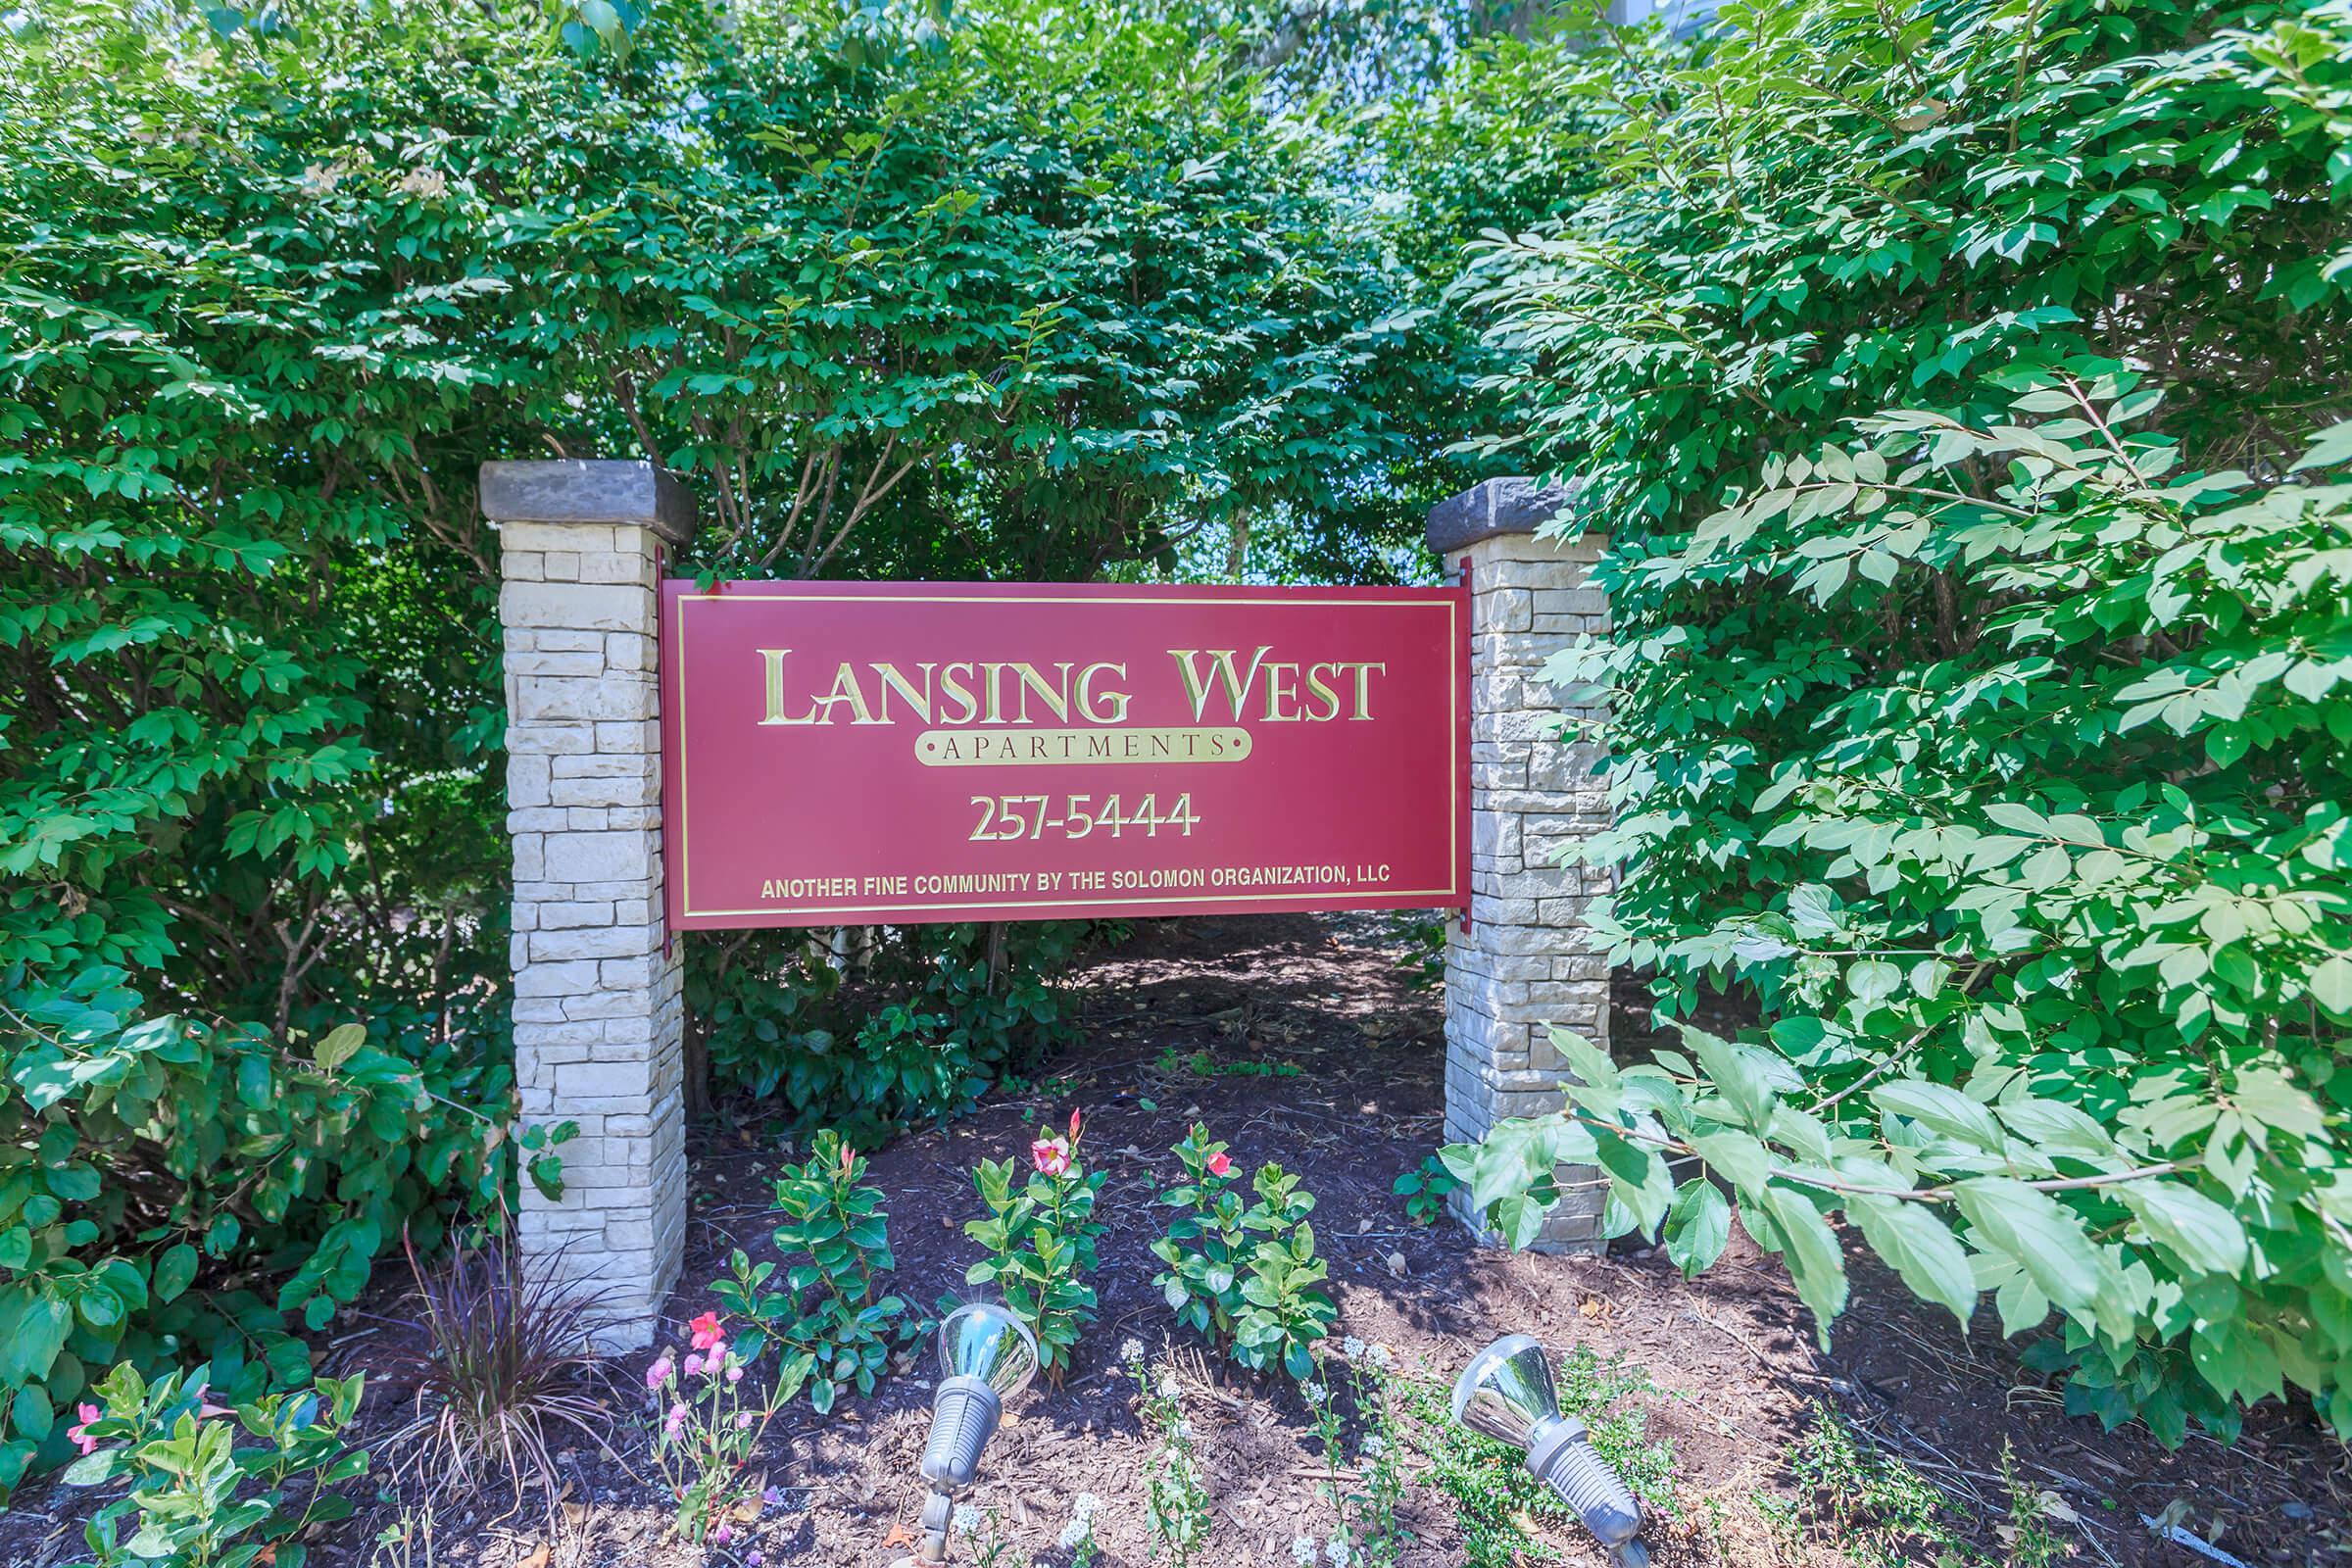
x=839, y=752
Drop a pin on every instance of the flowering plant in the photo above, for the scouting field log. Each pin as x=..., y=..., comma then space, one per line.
x=1379, y=1464
x=1244, y=1275
x=1040, y=1243
x=196, y=1496
x=834, y=1326
x=1176, y=1497
x=707, y=1430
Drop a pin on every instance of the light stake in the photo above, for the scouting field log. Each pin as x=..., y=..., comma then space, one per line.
x=986, y=1355
x=1507, y=1393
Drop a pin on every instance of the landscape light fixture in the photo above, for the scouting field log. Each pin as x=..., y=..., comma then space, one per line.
x=986, y=1355
x=1507, y=1393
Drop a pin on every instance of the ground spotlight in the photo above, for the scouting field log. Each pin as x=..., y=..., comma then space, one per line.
x=1507, y=1393
x=986, y=1355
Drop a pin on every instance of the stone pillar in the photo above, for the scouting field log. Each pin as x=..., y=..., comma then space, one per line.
x=1527, y=961
x=599, y=1007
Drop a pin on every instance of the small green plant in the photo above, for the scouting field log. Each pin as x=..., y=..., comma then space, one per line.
x=1379, y=1539
x=1423, y=960
x=196, y=1498
x=1206, y=1242
x=1285, y=1310
x=992, y=1547
x=1876, y=1508
x=2026, y=1539
x=708, y=1427
x=1040, y=1243
x=408, y=1541
x=1246, y=1277
x=832, y=1327
x=1077, y=1537
x=1176, y=1497
x=1425, y=1191
x=1202, y=1065
x=1331, y=1435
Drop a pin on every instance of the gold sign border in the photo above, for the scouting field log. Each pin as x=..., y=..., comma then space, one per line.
x=1454, y=775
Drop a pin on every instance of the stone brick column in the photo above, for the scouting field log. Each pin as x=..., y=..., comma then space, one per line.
x=1527, y=961
x=599, y=1011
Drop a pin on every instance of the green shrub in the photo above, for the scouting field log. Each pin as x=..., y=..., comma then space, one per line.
x=198, y=1498
x=153, y=1163
x=922, y=1026
x=1973, y=705
x=832, y=1326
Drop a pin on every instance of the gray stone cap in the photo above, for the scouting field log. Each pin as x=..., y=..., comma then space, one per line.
x=588, y=490
x=1494, y=507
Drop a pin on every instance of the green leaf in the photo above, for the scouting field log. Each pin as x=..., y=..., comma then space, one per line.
x=1921, y=1249
x=2204, y=1234
x=1698, y=1226
x=339, y=1045
x=2042, y=1236
x=1810, y=1248
x=1940, y=1109
x=174, y=1271
x=1742, y=1160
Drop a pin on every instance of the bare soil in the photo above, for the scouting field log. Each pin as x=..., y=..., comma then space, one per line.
x=1732, y=1355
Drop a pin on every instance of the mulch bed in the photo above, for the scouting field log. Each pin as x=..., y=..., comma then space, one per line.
x=1732, y=1354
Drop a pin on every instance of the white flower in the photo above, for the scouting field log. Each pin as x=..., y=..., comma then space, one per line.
x=967, y=1520
x=1381, y=1356
x=1074, y=1534
x=1374, y=1447
x=1131, y=1350
x=1302, y=1549
x=1352, y=1346
x=1169, y=1388
x=1085, y=1505
x=1336, y=1553
x=1184, y=1430
x=1312, y=1392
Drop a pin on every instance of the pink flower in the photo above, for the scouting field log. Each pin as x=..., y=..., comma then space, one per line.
x=1218, y=1164
x=734, y=1374
x=705, y=1331
x=675, y=1419
x=694, y=1365
x=773, y=1496
x=80, y=1432
x=1051, y=1154
x=659, y=1373
x=1073, y=1124
x=743, y=1420
x=723, y=1533
x=753, y=1560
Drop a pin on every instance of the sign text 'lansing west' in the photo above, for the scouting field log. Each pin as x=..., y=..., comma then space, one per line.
x=840, y=752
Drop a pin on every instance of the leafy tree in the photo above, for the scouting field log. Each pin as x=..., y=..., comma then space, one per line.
x=1946, y=379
